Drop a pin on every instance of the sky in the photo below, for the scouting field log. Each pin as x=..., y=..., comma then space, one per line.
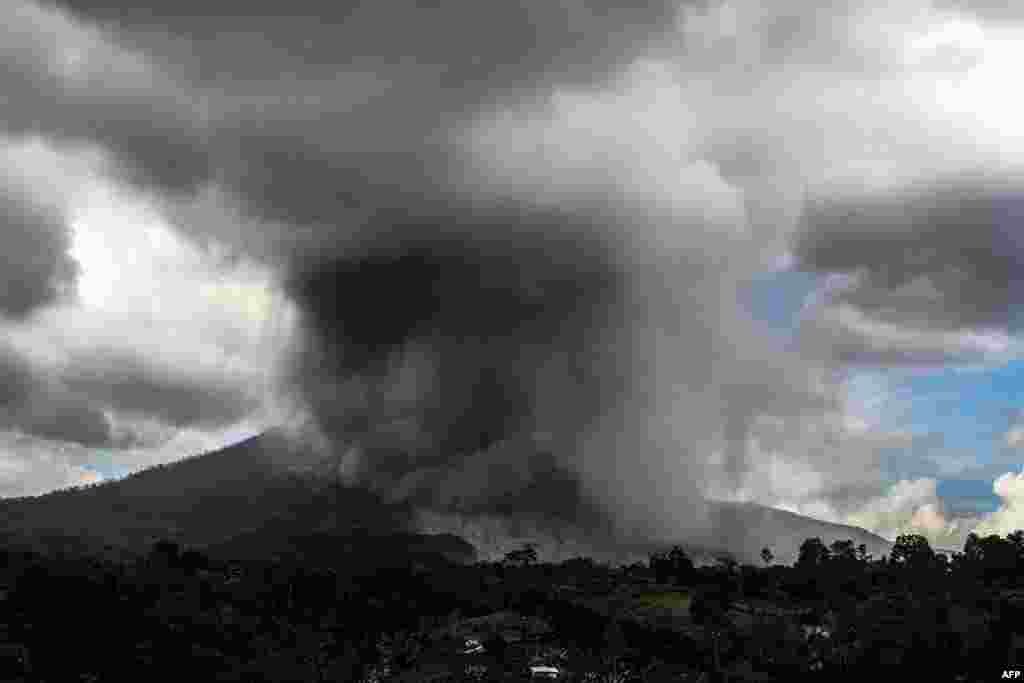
x=556, y=258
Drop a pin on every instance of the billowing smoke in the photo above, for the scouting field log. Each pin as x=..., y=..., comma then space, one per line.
x=432, y=340
x=518, y=234
x=485, y=360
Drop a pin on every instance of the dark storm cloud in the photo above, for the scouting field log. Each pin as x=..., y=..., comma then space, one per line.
x=945, y=257
x=76, y=83
x=307, y=155
x=33, y=403
x=314, y=115
x=16, y=379
x=66, y=416
x=474, y=46
x=176, y=396
x=34, y=266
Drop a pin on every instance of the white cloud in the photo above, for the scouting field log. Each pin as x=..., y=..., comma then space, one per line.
x=906, y=507
x=154, y=316
x=1010, y=515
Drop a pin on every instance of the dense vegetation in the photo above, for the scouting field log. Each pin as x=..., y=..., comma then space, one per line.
x=837, y=613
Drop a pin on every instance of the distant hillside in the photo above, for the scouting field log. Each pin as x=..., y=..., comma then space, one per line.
x=739, y=530
x=744, y=528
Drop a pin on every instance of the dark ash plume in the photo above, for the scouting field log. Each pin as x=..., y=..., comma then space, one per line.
x=431, y=342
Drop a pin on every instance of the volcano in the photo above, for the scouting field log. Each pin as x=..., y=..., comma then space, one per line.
x=265, y=498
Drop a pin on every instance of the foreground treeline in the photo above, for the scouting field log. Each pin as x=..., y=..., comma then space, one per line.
x=837, y=613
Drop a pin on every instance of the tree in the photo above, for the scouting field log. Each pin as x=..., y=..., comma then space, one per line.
x=661, y=567
x=972, y=549
x=913, y=552
x=678, y=565
x=682, y=565
x=1016, y=539
x=812, y=555
x=862, y=554
x=994, y=557
x=165, y=552
x=766, y=555
x=843, y=551
x=674, y=566
x=727, y=563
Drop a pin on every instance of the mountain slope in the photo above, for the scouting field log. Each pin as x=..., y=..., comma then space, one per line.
x=199, y=501
x=744, y=528
x=250, y=500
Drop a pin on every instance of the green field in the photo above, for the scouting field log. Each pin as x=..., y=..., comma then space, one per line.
x=673, y=600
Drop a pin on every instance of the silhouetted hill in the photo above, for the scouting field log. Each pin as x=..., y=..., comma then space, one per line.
x=244, y=491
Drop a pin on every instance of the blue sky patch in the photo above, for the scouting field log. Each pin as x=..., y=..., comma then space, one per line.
x=957, y=414
x=968, y=496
